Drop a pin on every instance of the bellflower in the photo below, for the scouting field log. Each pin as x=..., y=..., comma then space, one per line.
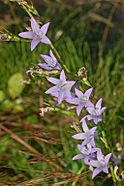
x=50, y=62
x=95, y=112
x=37, y=34
x=82, y=100
x=62, y=87
x=87, y=153
x=101, y=164
x=87, y=136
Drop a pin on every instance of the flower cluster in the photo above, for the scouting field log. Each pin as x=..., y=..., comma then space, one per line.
x=62, y=88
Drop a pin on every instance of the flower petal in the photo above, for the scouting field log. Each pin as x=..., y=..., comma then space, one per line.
x=52, y=56
x=51, y=90
x=96, y=172
x=62, y=76
x=107, y=157
x=78, y=156
x=44, y=28
x=53, y=80
x=34, y=43
x=28, y=35
x=84, y=126
x=78, y=93
x=79, y=136
x=44, y=66
x=88, y=92
x=34, y=25
x=46, y=58
x=99, y=102
x=46, y=40
x=79, y=108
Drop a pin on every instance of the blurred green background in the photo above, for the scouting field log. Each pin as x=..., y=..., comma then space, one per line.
x=37, y=150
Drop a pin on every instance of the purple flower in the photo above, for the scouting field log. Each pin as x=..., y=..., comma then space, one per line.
x=82, y=100
x=37, y=34
x=87, y=154
x=101, y=164
x=87, y=136
x=95, y=112
x=62, y=88
x=50, y=62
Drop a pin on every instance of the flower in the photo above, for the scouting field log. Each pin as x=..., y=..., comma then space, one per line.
x=101, y=164
x=37, y=34
x=62, y=88
x=50, y=62
x=82, y=100
x=95, y=112
x=87, y=136
x=87, y=154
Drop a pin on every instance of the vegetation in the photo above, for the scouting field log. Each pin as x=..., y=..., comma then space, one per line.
x=36, y=147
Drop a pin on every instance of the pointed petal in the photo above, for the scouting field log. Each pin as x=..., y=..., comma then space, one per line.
x=90, y=109
x=89, y=104
x=61, y=96
x=79, y=136
x=53, y=80
x=62, y=76
x=100, y=155
x=34, y=25
x=51, y=90
x=107, y=157
x=46, y=40
x=97, y=119
x=92, y=142
x=70, y=84
x=58, y=66
x=88, y=92
x=34, y=43
x=99, y=102
x=46, y=58
x=78, y=93
x=84, y=126
x=95, y=163
x=28, y=35
x=52, y=56
x=79, y=108
x=44, y=28
x=103, y=108
x=44, y=66
x=72, y=101
x=93, y=130
x=77, y=157
x=105, y=169
x=96, y=172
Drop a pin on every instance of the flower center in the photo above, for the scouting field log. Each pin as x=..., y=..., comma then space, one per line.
x=96, y=112
x=83, y=99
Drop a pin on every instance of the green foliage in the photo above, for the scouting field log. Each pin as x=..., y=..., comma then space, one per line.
x=15, y=86
x=51, y=135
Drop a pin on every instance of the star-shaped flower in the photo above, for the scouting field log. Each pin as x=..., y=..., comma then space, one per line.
x=37, y=34
x=101, y=164
x=95, y=112
x=87, y=153
x=62, y=87
x=82, y=100
x=51, y=62
x=87, y=136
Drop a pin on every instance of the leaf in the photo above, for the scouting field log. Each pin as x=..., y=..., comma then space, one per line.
x=7, y=105
x=2, y=96
x=15, y=87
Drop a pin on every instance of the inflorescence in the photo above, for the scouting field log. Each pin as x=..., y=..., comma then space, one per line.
x=93, y=156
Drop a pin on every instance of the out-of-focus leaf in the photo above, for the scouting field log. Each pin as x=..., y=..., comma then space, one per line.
x=7, y=105
x=15, y=87
x=2, y=96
